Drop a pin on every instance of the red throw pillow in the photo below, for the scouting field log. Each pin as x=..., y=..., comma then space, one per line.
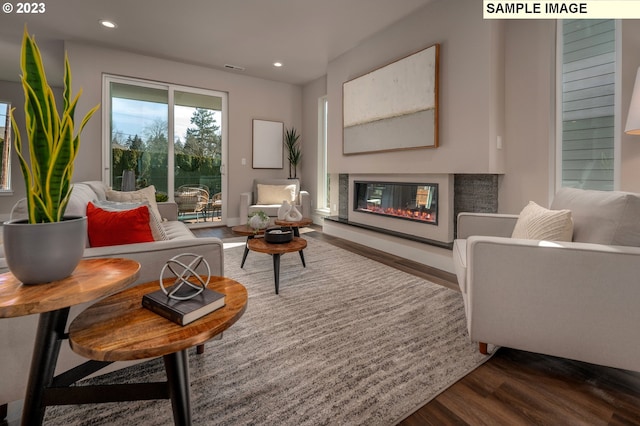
x=106, y=228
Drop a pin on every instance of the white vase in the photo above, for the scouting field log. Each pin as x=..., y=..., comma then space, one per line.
x=256, y=222
x=293, y=215
x=284, y=210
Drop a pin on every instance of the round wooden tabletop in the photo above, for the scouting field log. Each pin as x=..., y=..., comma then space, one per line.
x=118, y=328
x=261, y=246
x=246, y=230
x=92, y=279
x=305, y=221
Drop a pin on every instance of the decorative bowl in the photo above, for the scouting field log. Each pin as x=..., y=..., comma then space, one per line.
x=278, y=235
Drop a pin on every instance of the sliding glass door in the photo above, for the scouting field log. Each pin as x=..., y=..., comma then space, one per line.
x=172, y=137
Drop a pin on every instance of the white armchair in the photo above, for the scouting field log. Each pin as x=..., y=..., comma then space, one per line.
x=577, y=300
x=268, y=194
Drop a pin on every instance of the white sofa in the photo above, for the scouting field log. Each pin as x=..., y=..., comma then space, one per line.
x=577, y=299
x=265, y=196
x=17, y=335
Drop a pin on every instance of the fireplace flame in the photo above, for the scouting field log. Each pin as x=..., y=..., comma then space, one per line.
x=414, y=214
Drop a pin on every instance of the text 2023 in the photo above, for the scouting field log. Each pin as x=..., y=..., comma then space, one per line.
x=31, y=8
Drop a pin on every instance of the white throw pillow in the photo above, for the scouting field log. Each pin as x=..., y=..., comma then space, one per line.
x=145, y=194
x=276, y=194
x=537, y=223
x=156, y=227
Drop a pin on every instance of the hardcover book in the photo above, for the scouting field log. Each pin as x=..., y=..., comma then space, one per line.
x=183, y=312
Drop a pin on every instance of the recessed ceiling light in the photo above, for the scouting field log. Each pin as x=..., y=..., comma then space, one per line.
x=277, y=64
x=108, y=24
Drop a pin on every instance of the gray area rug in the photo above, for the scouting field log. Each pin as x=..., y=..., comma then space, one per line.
x=348, y=341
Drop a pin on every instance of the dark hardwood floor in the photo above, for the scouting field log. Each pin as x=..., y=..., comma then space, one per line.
x=513, y=387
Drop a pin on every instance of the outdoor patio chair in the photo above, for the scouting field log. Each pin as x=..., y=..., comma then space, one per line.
x=192, y=199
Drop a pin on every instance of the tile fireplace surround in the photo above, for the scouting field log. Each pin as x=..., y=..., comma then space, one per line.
x=422, y=242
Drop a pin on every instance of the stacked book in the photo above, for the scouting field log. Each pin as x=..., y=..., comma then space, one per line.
x=183, y=312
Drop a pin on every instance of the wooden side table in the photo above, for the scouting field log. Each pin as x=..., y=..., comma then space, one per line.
x=92, y=279
x=276, y=250
x=250, y=233
x=118, y=328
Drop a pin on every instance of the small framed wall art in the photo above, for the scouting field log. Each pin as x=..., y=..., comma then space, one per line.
x=268, y=144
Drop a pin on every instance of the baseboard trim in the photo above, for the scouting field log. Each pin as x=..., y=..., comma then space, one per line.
x=435, y=257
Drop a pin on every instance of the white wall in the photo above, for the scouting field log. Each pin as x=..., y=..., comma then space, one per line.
x=13, y=92
x=311, y=92
x=529, y=114
x=630, y=173
x=249, y=98
x=470, y=103
x=497, y=79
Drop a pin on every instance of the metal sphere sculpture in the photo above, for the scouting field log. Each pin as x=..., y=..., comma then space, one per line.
x=182, y=271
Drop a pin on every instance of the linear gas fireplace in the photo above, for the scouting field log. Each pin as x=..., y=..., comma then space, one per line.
x=410, y=201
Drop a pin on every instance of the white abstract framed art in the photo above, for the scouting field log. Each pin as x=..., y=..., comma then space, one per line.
x=394, y=107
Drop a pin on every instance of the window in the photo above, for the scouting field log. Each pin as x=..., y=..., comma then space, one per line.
x=323, y=176
x=164, y=135
x=587, y=105
x=5, y=146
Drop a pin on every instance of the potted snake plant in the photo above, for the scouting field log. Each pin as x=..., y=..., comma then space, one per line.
x=47, y=246
x=294, y=153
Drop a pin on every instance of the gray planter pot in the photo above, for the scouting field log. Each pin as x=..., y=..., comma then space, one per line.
x=38, y=253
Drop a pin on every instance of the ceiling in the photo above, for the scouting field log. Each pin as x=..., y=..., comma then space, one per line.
x=304, y=35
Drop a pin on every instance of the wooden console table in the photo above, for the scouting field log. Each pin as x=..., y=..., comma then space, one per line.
x=92, y=279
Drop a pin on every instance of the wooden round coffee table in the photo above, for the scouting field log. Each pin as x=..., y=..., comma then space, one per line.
x=305, y=221
x=276, y=250
x=118, y=328
x=250, y=233
x=246, y=230
x=92, y=279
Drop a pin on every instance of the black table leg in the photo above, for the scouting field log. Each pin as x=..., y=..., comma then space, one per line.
x=302, y=258
x=276, y=270
x=296, y=233
x=246, y=251
x=177, y=369
x=46, y=349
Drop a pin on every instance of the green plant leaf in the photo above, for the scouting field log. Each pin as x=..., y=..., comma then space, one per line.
x=52, y=144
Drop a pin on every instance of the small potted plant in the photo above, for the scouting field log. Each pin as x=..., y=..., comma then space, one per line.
x=294, y=153
x=47, y=246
